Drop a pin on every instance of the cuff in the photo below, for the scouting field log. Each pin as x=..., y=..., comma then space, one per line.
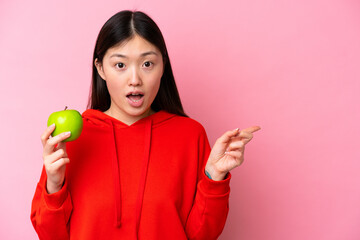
x=55, y=200
x=212, y=187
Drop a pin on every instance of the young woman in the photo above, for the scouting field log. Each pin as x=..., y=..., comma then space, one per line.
x=141, y=169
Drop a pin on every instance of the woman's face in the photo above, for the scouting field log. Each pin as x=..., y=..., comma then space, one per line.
x=132, y=72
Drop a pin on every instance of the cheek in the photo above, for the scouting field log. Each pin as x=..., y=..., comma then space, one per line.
x=115, y=88
x=155, y=86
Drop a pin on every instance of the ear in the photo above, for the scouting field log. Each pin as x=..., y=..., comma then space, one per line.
x=100, y=69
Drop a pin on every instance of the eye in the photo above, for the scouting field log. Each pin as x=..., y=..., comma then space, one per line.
x=148, y=64
x=120, y=65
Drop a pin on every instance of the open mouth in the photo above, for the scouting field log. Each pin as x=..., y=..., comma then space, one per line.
x=135, y=97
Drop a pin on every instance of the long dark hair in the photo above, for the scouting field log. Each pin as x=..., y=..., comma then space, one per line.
x=121, y=27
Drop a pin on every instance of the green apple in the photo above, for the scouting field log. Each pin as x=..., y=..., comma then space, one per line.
x=65, y=121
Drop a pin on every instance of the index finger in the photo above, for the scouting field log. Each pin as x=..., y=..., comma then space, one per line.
x=50, y=144
x=252, y=129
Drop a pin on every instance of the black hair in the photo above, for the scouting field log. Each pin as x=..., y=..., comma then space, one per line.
x=119, y=28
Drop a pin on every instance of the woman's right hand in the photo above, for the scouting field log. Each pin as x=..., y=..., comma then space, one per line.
x=55, y=158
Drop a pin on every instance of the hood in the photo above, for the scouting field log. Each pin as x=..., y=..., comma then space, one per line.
x=100, y=119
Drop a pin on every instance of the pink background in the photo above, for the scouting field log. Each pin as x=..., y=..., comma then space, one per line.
x=291, y=67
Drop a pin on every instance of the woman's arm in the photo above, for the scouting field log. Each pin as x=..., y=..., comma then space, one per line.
x=209, y=213
x=211, y=205
x=50, y=213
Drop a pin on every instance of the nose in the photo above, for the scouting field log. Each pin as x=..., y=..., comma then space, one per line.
x=135, y=79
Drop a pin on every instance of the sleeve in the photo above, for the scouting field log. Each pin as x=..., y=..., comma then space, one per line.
x=211, y=205
x=50, y=213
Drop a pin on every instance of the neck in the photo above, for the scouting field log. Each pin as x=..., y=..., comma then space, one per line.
x=127, y=119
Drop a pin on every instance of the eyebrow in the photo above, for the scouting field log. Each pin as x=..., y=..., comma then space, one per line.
x=142, y=55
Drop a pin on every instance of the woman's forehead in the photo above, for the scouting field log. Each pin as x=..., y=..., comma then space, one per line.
x=134, y=47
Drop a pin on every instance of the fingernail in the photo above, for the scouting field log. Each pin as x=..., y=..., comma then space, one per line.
x=67, y=133
x=237, y=129
x=52, y=125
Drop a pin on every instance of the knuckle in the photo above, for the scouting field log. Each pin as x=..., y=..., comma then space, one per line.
x=50, y=141
x=61, y=151
x=45, y=157
x=47, y=162
x=47, y=166
x=43, y=140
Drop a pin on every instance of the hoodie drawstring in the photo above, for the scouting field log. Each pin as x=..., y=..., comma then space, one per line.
x=116, y=175
x=143, y=174
x=145, y=163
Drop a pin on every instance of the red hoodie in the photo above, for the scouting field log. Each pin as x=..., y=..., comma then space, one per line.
x=144, y=181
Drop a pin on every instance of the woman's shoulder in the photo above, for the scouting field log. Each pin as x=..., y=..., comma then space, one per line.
x=187, y=124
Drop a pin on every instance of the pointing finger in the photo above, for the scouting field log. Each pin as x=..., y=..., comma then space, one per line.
x=246, y=135
x=251, y=129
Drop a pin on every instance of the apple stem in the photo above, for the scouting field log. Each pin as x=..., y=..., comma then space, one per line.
x=65, y=107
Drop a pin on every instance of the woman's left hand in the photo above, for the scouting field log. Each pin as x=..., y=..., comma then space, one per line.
x=228, y=152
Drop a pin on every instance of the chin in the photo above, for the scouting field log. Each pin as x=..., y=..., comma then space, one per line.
x=138, y=112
